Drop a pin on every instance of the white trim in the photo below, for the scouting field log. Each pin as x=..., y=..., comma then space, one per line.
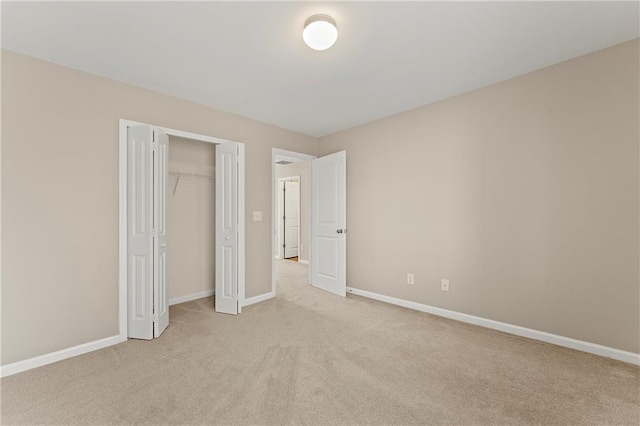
x=189, y=135
x=305, y=157
x=122, y=249
x=50, y=358
x=122, y=276
x=190, y=297
x=304, y=262
x=241, y=226
x=260, y=298
x=542, y=336
x=292, y=154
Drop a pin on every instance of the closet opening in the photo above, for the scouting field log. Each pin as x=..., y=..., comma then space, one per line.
x=191, y=221
x=181, y=225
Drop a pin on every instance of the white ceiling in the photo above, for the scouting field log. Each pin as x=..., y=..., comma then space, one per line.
x=249, y=58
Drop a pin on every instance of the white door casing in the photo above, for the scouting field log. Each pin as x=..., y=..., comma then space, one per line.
x=292, y=218
x=227, y=226
x=329, y=223
x=160, y=176
x=139, y=232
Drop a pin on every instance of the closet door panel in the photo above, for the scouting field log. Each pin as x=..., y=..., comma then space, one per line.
x=139, y=232
x=161, y=175
x=226, y=299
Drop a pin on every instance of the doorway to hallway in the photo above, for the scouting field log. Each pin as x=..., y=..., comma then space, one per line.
x=320, y=219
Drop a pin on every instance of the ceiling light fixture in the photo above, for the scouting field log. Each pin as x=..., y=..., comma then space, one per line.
x=320, y=32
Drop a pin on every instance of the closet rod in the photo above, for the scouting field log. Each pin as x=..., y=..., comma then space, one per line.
x=180, y=175
x=188, y=174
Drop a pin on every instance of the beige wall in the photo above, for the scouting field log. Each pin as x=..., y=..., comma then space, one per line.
x=523, y=194
x=302, y=169
x=191, y=218
x=60, y=197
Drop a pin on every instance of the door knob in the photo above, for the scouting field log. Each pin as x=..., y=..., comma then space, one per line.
x=339, y=231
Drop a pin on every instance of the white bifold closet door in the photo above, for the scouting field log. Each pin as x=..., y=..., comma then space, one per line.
x=227, y=228
x=329, y=222
x=160, y=178
x=147, y=304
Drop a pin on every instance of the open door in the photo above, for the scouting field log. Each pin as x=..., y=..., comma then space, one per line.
x=328, y=223
x=147, y=304
x=140, y=232
x=160, y=176
x=227, y=227
x=291, y=197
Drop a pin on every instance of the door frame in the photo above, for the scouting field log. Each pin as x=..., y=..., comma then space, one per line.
x=281, y=252
x=298, y=155
x=122, y=219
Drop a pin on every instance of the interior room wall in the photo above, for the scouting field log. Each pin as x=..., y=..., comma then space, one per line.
x=524, y=194
x=60, y=130
x=302, y=169
x=191, y=218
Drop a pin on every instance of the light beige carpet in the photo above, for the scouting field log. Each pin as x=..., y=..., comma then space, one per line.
x=308, y=357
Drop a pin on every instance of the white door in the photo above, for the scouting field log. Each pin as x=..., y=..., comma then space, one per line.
x=329, y=223
x=147, y=304
x=227, y=222
x=291, y=218
x=160, y=176
x=139, y=232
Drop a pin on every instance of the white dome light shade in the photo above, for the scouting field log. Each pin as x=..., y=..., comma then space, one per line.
x=320, y=32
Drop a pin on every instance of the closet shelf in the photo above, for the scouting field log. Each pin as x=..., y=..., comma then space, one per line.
x=190, y=176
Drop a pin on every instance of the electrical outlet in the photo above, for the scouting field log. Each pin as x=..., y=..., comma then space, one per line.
x=301, y=247
x=257, y=216
x=410, y=279
x=444, y=285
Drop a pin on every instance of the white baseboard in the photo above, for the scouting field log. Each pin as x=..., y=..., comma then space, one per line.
x=190, y=297
x=542, y=336
x=258, y=299
x=304, y=262
x=39, y=361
